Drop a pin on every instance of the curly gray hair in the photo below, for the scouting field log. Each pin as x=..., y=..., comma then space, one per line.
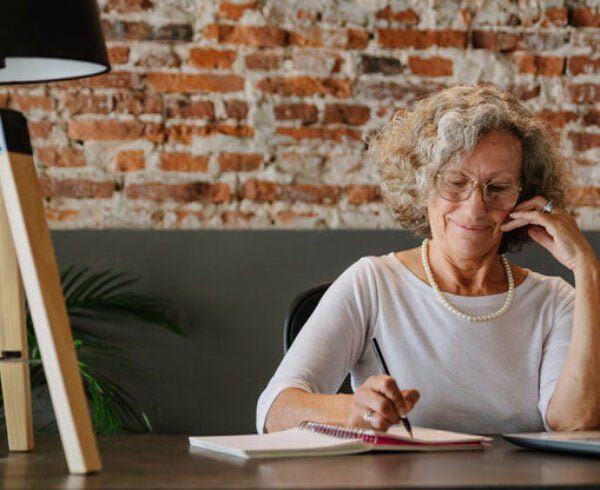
x=410, y=149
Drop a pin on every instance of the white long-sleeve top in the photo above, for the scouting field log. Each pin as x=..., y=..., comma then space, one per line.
x=489, y=377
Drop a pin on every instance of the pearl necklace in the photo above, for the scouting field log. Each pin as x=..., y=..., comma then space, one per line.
x=449, y=306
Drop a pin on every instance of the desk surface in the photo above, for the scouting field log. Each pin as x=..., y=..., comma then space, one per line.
x=167, y=462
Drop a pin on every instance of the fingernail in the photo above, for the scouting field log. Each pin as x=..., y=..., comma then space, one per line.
x=512, y=215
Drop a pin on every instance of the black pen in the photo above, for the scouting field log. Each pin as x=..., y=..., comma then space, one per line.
x=385, y=369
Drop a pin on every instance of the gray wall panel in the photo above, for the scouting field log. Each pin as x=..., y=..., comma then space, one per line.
x=232, y=289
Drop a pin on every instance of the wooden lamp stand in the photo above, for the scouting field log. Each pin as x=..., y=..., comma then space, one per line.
x=28, y=264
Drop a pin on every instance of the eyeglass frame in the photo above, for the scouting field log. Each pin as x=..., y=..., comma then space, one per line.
x=477, y=183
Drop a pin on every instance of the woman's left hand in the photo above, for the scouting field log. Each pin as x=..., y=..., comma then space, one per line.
x=556, y=231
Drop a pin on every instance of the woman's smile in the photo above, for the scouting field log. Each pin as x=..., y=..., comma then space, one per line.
x=469, y=227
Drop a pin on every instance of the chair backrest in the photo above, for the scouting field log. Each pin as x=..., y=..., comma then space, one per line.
x=300, y=310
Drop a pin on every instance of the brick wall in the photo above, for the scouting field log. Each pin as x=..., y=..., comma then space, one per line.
x=252, y=114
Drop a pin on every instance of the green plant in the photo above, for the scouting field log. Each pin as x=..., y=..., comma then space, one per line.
x=92, y=299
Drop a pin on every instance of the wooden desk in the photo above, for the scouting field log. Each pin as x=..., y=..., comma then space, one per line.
x=166, y=462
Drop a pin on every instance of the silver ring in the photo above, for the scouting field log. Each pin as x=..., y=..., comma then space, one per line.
x=548, y=207
x=368, y=416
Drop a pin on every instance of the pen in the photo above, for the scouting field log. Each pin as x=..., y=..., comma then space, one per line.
x=385, y=369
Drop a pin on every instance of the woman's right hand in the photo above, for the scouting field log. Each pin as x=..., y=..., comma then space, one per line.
x=381, y=395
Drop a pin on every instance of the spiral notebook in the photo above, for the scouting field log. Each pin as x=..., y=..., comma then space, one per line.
x=316, y=439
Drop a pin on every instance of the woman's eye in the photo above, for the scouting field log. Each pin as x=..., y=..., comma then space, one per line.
x=497, y=188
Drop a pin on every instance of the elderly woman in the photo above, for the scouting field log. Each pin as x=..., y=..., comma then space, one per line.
x=483, y=345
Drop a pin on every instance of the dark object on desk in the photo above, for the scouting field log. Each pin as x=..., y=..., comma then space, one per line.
x=299, y=312
x=584, y=442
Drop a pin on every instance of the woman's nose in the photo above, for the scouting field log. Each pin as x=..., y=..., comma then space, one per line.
x=476, y=200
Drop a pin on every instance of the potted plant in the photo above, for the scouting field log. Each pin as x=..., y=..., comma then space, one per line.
x=92, y=299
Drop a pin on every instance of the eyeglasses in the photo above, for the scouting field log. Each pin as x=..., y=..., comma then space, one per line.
x=454, y=186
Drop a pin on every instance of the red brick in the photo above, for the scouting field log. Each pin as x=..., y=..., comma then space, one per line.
x=138, y=102
x=408, y=16
x=26, y=103
x=188, y=192
x=402, y=38
x=347, y=114
x=159, y=59
x=60, y=214
x=263, y=60
x=259, y=190
x=495, y=40
x=430, y=67
x=307, y=113
x=39, y=129
x=557, y=16
x=130, y=160
x=211, y=58
x=183, y=214
x=180, y=82
x=60, y=157
x=585, y=196
x=331, y=38
x=385, y=90
x=234, y=11
x=584, y=141
x=239, y=162
x=107, y=130
x=129, y=5
x=363, y=193
x=558, y=119
x=583, y=64
x=304, y=86
x=198, y=109
x=236, y=217
x=525, y=91
x=314, y=194
x=336, y=134
x=181, y=133
x=592, y=118
x=114, y=79
x=183, y=162
x=118, y=55
x=121, y=30
x=292, y=218
x=267, y=36
x=236, y=109
x=549, y=66
x=357, y=39
x=585, y=17
x=584, y=92
x=81, y=103
x=76, y=188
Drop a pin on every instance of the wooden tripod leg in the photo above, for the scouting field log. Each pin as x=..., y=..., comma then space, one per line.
x=16, y=390
x=22, y=198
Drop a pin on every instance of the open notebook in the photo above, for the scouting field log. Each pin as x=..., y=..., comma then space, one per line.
x=315, y=439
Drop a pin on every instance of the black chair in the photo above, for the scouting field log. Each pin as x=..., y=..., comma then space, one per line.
x=300, y=310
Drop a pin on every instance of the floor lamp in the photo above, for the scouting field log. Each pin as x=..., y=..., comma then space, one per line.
x=40, y=42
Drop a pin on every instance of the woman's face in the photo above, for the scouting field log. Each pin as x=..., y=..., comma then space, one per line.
x=469, y=229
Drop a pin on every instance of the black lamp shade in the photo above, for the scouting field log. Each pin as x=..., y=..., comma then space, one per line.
x=46, y=40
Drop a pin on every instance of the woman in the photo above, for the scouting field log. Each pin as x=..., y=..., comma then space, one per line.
x=476, y=343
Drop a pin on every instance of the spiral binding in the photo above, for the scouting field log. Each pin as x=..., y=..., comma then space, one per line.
x=340, y=431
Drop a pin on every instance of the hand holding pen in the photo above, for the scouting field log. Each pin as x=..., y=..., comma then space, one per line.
x=378, y=403
x=385, y=369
